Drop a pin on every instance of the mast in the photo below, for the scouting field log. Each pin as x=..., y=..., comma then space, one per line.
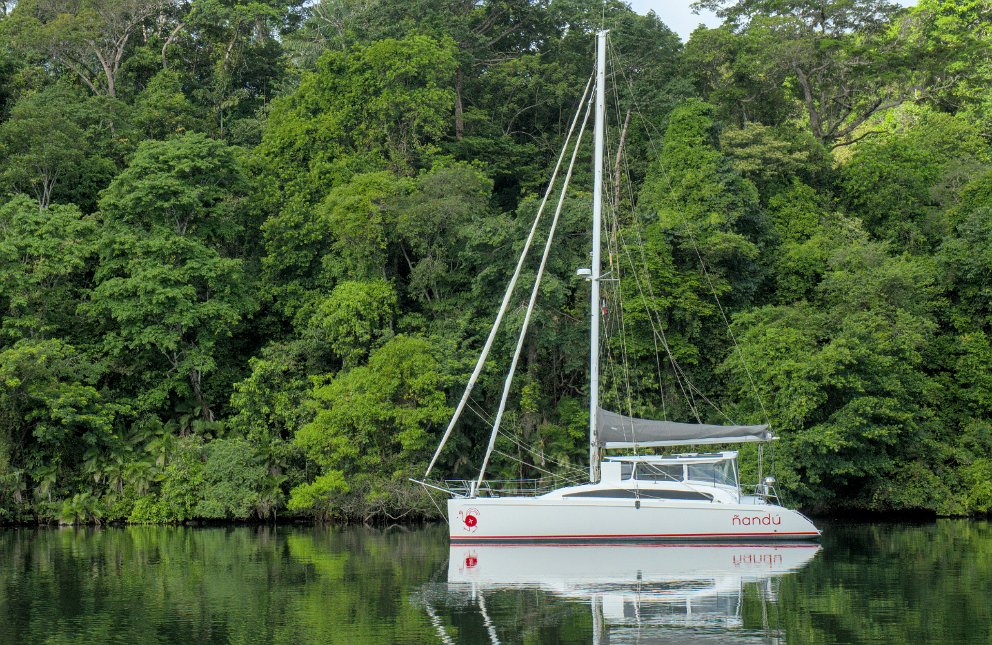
x=597, y=217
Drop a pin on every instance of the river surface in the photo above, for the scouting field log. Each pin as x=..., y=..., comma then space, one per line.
x=880, y=583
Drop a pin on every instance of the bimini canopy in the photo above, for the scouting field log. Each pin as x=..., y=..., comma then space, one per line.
x=617, y=431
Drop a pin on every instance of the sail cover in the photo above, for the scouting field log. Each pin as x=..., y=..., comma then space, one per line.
x=617, y=431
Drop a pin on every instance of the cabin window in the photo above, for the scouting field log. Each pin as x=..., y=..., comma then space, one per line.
x=623, y=493
x=675, y=494
x=626, y=493
x=722, y=472
x=658, y=472
x=626, y=469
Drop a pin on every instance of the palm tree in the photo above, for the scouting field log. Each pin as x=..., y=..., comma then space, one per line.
x=45, y=478
x=80, y=509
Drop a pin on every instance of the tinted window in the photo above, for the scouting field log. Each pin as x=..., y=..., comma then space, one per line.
x=621, y=493
x=615, y=493
x=658, y=472
x=675, y=494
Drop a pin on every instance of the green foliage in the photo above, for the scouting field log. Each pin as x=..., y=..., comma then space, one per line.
x=952, y=38
x=697, y=194
x=162, y=109
x=898, y=184
x=268, y=403
x=354, y=317
x=170, y=220
x=978, y=478
x=373, y=421
x=360, y=112
x=44, y=256
x=87, y=37
x=248, y=251
x=50, y=413
x=772, y=158
x=967, y=255
x=384, y=104
x=810, y=237
x=50, y=148
x=316, y=496
x=734, y=74
x=83, y=508
x=360, y=216
x=435, y=222
x=845, y=374
x=233, y=480
x=181, y=492
x=838, y=58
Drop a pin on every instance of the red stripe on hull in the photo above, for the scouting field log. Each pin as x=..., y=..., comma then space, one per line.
x=624, y=536
x=683, y=545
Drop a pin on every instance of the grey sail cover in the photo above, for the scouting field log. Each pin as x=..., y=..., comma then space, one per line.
x=617, y=431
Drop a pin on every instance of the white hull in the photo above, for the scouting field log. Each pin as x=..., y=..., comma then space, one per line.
x=583, y=569
x=537, y=519
x=651, y=588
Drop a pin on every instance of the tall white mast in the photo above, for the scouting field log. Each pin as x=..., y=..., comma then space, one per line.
x=597, y=217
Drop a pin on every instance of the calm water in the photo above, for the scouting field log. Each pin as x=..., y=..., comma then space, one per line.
x=888, y=583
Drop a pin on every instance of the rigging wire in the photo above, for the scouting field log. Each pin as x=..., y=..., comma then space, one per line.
x=617, y=238
x=574, y=478
x=520, y=444
x=648, y=128
x=474, y=407
x=616, y=324
x=698, y=254
x=480, y=412
x=510, y=287
x=617, y=307
x=657, y=328
x=565, y=468
x=622, y=160
x=533, y=297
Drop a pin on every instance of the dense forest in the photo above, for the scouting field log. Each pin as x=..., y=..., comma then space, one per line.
x=250, y=249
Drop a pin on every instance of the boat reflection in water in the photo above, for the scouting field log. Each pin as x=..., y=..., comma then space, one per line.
x=693, y=592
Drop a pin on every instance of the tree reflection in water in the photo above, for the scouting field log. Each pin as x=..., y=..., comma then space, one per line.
x=883, y=583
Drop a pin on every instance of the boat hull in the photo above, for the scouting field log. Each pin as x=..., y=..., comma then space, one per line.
x=543, y=520
x=574, y=571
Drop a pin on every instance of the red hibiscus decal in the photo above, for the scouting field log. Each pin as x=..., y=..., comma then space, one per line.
x=471, y=561
x=470, y=520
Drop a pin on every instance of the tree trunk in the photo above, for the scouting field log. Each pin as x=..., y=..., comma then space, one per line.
x=529, y=421
x=168, y=41
x=459, y=109
x=195, y=379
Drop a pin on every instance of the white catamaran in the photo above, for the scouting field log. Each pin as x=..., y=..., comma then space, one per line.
x=695, y=496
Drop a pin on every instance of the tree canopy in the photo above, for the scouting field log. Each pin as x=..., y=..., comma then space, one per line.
x=249, y=250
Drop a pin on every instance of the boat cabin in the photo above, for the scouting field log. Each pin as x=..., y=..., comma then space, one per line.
x=694, y=477
x=716, y=468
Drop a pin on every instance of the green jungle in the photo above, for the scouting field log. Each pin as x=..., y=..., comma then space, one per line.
x=250, y=249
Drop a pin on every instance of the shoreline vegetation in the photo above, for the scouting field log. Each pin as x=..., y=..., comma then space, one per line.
x=249, y=250
x=410, y=522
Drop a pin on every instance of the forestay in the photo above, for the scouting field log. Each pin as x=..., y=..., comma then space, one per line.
x=619, y=431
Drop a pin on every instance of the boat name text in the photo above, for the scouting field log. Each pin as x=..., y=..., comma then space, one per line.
x=753, y=520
